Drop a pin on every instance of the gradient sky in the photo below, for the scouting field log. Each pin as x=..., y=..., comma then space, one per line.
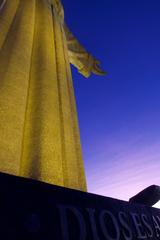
x=119, y=114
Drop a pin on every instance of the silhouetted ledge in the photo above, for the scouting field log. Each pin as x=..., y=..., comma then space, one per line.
x=34, y=210
x=149, y=196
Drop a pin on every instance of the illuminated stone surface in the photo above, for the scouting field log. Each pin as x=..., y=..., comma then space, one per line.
x=38, y=120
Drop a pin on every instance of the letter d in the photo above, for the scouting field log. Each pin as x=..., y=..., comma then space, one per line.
x=63, y=209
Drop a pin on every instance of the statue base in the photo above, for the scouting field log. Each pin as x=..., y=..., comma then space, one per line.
x=34, y=210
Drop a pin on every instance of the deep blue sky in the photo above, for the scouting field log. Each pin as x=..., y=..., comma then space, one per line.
x=119, y=114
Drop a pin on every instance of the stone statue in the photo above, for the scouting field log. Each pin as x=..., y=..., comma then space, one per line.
x=38, y=120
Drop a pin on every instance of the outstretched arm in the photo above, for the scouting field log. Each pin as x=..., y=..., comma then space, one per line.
x=80, y=58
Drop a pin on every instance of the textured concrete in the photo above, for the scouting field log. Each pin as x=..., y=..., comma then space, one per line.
x=38, y=120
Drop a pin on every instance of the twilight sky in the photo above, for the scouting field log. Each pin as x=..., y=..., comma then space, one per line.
x=119, y=114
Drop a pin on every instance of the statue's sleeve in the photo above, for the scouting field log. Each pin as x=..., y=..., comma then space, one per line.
x=80, y=58
x=2, y=3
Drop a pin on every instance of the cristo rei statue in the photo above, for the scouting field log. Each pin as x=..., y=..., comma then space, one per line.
x=39, y=135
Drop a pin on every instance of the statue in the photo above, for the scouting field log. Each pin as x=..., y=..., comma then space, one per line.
x=38, y=120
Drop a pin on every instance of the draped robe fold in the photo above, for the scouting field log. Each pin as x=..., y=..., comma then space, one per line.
x=39, y=135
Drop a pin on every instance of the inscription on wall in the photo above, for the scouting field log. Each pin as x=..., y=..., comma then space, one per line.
x=34, y=210
x=117, y=226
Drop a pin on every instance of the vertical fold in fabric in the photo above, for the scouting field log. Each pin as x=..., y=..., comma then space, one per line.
x=42, y=153
x=73, y=168
x=77, y=144
x=15, y=56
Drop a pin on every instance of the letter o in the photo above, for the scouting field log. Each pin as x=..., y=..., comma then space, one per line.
x=105, y=231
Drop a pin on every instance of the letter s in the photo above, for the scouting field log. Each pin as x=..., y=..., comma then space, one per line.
x=127, y=233
x=146, y=224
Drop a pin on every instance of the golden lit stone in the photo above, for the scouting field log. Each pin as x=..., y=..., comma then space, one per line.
x=38, y=120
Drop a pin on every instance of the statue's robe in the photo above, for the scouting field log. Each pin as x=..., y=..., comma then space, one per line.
x=39, y=135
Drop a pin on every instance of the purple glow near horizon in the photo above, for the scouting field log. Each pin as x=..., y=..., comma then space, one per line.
x=132, y=166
